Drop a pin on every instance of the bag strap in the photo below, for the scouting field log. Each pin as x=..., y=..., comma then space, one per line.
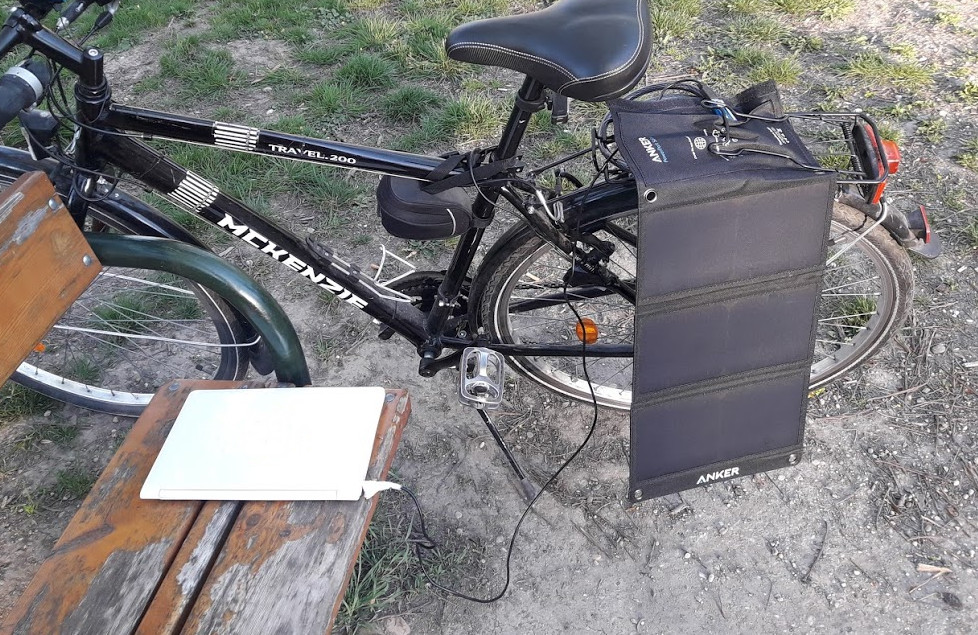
x=440, y=180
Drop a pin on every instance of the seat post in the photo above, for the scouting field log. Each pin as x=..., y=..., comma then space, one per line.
x=528, y=101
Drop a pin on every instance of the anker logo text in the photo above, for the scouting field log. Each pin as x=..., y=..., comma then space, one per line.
x=716, y=476
x=653, y=149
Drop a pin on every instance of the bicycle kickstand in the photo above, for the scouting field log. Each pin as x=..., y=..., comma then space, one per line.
x=529, y=489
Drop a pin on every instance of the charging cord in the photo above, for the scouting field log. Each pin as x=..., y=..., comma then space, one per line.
x=423, y=542
x=421, y=539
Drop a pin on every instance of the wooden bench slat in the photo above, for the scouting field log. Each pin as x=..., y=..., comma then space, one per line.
x=114, y=551
x=41, y=266
x=265, y=580
x=111, y=557
x=175, y=597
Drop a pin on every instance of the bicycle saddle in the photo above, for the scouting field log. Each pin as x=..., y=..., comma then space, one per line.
x=590, y=50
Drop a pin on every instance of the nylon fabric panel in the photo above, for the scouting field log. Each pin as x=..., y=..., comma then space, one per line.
x=722, y=424
x=731, y=253
x=702, y=342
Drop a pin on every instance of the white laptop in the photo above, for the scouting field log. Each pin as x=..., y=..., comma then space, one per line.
x=268, y=444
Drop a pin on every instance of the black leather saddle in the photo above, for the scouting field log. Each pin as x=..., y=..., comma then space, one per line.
x=591, y=50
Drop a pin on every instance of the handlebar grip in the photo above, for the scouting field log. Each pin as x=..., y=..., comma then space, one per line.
x=20, y=87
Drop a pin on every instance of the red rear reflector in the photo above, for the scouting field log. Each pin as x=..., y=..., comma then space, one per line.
x=923, y=213
x=891, y=154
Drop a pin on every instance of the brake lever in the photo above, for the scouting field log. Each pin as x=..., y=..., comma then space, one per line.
x=72, y=13
x=106, y=16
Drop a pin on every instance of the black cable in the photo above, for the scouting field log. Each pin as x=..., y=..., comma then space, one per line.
x=426, y=542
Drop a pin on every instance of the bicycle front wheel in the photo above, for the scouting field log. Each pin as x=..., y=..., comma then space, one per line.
x=865, y=298
x=131, y=331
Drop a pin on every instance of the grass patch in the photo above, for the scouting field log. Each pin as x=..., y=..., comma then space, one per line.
x=124, y=313
x=947, y=16
x=745, y=7
x=410, y=103
x=74, y=483
x=366, y=71
x=277, y=77
x=17, y=402
x=325, y=347
x=136, y=18
x=762, y=65
x=371, y=33
x=84, y=370
x=834, y=161
x=323, y=55
x=422, y=54
x=855, y=313
x=335, y=101
x=933, y=130
x=671, y=19
x=970, y=232
x=386, y=573
x=324, y=185
x=872, y=69
x=234, y=19
x=59, y=433
x=826, y=9
x=200, y=71
x=425, y=30
x=969, y=156
x=969, y=93
x=468, y=119
x=757, y=30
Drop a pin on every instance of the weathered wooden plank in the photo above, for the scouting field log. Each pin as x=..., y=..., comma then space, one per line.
x=42, y=266
x=114, y=552
x=187, y=573
x=285, y=566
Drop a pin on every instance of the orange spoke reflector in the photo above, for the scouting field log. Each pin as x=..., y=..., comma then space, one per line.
x=587, y=331
x=40, y=348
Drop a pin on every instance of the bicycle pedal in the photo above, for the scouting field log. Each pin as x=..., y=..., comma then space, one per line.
x=482, y=372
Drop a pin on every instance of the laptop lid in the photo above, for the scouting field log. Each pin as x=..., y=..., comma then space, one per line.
x=268, y=444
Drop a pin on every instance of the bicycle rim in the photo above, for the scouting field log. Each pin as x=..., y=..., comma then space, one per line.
x=132, y=331
x=864, y=298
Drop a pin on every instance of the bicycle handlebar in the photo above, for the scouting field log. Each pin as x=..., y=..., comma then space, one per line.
x=9, y=38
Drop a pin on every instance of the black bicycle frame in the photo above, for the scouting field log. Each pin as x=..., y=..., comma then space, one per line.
x=306, y=258
x=108, y=135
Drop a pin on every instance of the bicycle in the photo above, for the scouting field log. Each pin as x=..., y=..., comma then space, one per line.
x=577, y=245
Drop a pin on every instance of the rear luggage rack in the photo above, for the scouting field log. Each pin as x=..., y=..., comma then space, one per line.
x=846, y=143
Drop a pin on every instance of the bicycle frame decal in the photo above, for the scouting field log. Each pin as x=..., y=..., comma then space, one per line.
x=283, y=256
x=269, y=143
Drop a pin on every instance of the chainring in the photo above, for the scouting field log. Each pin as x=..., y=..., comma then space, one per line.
x=422, y=288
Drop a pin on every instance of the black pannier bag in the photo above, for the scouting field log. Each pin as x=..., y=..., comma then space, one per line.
x=733, y=232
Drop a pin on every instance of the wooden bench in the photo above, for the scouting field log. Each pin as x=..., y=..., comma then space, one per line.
x=126, y=565
x=45, y=264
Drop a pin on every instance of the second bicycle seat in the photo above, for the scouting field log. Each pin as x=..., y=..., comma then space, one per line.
x=585, y=49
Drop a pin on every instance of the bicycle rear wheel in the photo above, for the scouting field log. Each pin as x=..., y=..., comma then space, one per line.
x=865, y=298
x=134, y=329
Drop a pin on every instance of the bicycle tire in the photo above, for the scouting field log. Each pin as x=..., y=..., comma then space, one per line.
x=97, y=355
x=874, y=277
